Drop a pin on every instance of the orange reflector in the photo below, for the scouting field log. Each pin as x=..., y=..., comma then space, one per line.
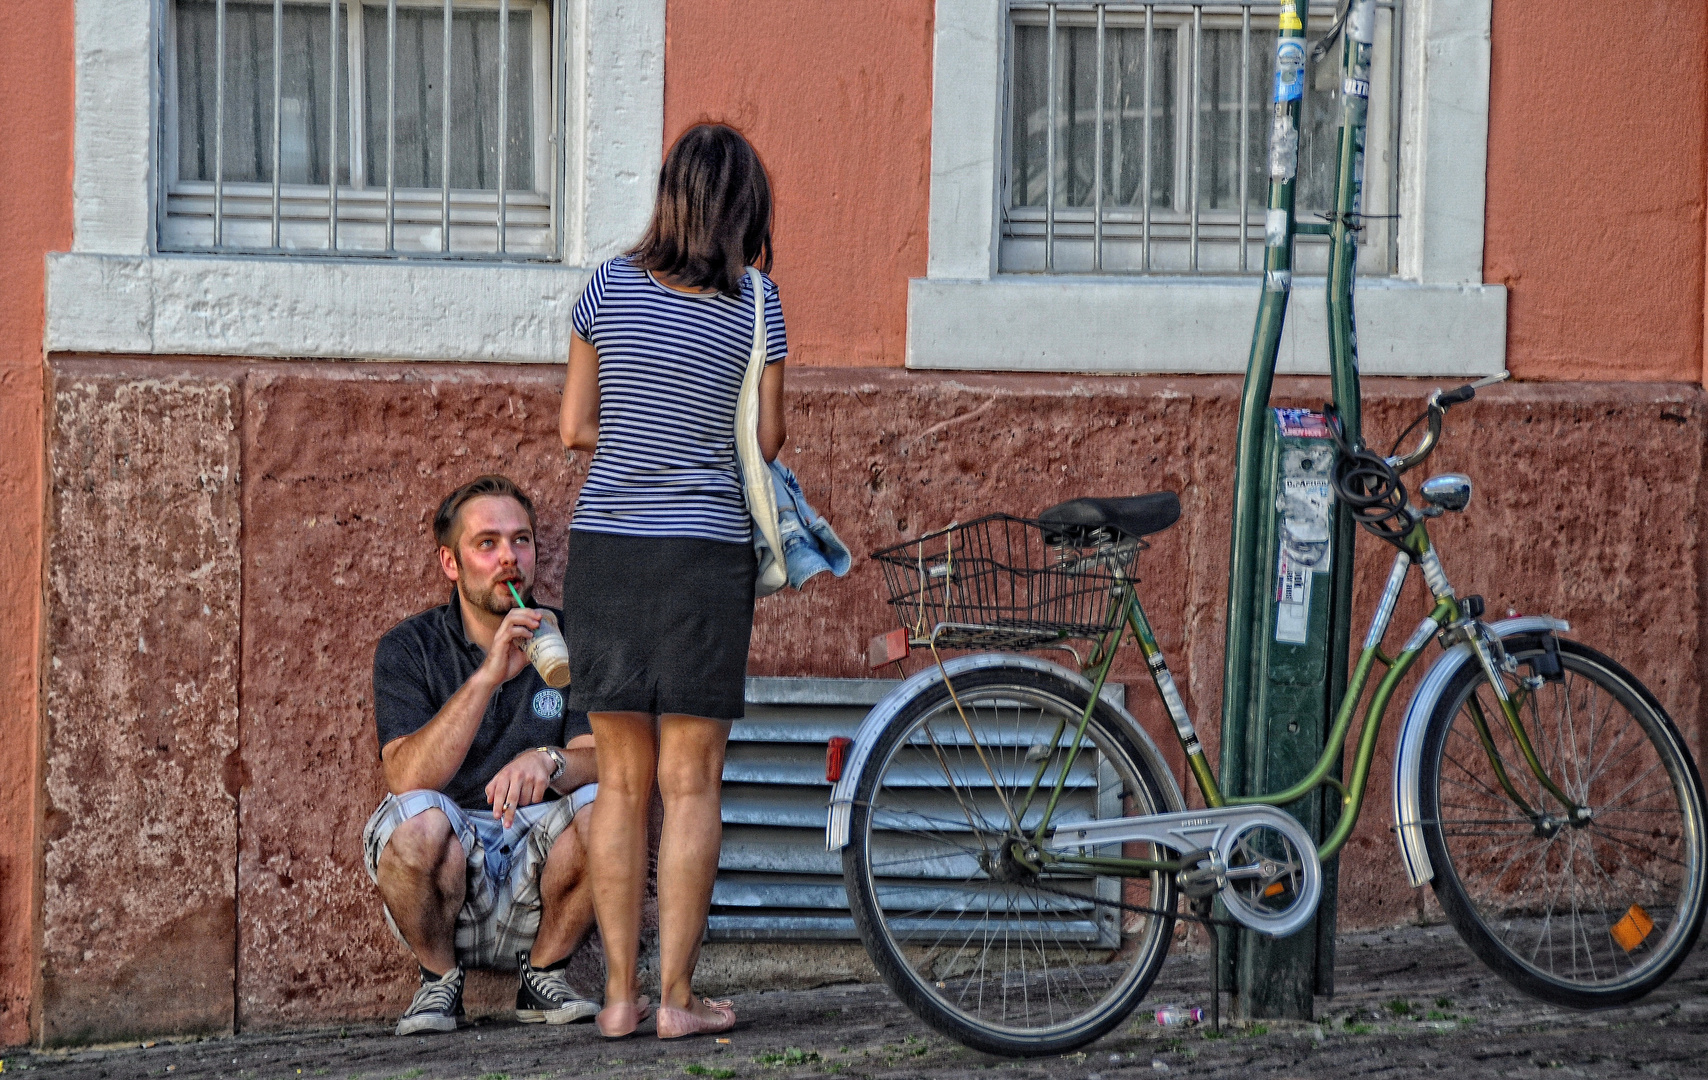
x=1274, y=890
x=1630, y=931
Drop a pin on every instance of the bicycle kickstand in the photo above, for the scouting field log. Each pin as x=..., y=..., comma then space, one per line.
x=1203, y=907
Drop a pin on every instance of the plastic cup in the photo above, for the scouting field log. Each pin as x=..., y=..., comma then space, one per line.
x=549, y=654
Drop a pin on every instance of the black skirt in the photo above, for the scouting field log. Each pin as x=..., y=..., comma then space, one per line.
x=658, y=624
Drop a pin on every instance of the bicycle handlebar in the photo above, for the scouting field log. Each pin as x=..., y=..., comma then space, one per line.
x=1439, y=402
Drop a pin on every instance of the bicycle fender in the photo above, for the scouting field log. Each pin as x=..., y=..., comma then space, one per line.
x=842, y=795
x=1408, y=755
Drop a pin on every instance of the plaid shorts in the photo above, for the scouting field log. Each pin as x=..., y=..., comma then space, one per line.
x=501, y=906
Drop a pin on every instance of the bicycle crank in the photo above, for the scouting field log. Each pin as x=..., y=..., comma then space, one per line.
x=1257, y=859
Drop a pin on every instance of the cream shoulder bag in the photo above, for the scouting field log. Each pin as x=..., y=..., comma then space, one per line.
x=755, y=472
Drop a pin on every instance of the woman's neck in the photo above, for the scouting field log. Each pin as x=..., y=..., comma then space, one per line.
x=670, y=283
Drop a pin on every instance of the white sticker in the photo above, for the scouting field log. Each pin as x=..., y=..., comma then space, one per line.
x=1283, y=148
x=1357, y=87
x=1275, y=228
x=1292, y=600
x=1277, y=280
x=1361, y=22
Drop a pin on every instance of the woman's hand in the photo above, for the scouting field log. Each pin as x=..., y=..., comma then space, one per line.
x=578, y=424
x=772, y=430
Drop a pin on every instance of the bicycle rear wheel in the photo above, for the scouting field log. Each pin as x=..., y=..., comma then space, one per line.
x=1586, y=915
x=992, y=955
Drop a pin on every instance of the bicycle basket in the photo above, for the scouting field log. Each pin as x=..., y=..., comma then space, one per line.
x=1004, y=582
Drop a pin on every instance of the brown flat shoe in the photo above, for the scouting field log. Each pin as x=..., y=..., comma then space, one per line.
x=681, y=1023
x=619, y=1019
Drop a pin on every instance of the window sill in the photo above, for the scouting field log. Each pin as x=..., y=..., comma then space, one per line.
x=224, y=305
x=1194, y=325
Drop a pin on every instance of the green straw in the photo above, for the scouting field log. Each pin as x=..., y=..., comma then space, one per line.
x=511, y=585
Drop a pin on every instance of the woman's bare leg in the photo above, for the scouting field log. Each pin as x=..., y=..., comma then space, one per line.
x=628, y=754
x=690, y=776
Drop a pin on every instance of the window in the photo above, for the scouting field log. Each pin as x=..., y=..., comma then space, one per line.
x=1145, y=276
x=1108, y=101
x=345, y=127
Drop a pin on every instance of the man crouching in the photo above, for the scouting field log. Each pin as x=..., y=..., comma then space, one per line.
x=474, y=850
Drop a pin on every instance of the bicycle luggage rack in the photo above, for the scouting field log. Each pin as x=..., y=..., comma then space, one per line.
x=1004, y=582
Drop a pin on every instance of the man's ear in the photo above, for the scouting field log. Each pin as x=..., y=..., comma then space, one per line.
x=448, y=563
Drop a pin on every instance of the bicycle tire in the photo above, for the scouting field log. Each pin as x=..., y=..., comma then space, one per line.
x=911, y=838
x=1634, y=872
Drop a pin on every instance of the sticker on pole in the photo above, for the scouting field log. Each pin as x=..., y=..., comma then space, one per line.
x=1290, y=16
x=1292, y=600
x=1289, y=67
x=1301, y=424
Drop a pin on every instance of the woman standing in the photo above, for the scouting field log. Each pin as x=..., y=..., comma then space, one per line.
x=658, y=594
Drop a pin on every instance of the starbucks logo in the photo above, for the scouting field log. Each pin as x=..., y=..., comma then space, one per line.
x=548, y=704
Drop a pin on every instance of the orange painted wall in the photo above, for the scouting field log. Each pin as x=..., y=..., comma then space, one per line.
x=837, y=99
x=1598, y=122
x=35, y=217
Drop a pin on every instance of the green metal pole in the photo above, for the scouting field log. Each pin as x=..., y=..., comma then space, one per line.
x=1357, y=41
x=1287, y=101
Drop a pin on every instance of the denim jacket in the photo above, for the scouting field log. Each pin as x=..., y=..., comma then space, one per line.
x=810, y=545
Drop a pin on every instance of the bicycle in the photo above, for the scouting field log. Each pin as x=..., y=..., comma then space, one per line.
x=1015, y=850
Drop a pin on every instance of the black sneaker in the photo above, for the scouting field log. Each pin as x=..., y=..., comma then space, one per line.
x=545, y=996
x=438, y=1004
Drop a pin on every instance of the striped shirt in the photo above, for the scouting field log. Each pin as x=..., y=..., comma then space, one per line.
x=670, y=371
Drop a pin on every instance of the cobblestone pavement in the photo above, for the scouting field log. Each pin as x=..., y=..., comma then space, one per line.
x=1411, y=1002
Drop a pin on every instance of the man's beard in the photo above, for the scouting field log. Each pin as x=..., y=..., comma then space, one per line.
x=495, y=600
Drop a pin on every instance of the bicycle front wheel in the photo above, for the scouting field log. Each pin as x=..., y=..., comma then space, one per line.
x=998, y=956
x=1582, y=914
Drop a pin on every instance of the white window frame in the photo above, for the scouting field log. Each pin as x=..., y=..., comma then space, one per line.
x=532, y=225
x=116, y=292
x=1435, y=317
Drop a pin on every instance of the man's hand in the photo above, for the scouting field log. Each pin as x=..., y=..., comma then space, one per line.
x=523, y=782
x=505, y=660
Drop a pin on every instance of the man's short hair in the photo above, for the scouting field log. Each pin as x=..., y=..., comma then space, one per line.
x=445, y=521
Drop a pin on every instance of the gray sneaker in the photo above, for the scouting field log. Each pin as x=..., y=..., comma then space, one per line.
x=545, y=997
x=438, y=1004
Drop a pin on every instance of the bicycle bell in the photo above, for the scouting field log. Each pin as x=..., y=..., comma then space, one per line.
x=1449, y=491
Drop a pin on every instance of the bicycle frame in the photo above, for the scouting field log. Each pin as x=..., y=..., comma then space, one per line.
x=1447, y=614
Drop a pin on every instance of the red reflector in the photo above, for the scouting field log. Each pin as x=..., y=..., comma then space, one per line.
x=834, y=755
x=887, y=648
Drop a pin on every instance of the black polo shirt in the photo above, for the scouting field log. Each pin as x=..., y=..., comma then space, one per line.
x=425, y=659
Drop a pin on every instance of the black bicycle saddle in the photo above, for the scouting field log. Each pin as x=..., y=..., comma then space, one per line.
x=1132, y=515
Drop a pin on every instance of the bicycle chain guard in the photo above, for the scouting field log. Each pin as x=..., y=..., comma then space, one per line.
x=1257, y=859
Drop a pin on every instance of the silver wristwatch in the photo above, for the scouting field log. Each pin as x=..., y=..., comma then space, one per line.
x=557, y=759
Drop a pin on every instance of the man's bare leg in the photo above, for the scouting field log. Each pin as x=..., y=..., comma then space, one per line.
x=566, y=896
x=423, y=876
x=690, y=776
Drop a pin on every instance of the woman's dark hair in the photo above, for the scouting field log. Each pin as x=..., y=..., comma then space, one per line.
x=713, y=215
x=447, y=524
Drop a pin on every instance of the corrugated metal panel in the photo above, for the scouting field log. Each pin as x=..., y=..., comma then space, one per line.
x=776, y=882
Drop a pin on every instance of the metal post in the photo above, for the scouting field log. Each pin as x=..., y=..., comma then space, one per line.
x=1244, y=556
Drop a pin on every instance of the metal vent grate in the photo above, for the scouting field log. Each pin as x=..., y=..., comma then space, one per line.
x=776, y=882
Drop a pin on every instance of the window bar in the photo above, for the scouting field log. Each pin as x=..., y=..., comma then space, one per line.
x=278, y=95
x=391, y=125
x=1396, y=53
x=445, y=139
x=1097, y=153
x=332, y=138
x=1244, y=124
x=503, y=114
x=1197, y=104
x=1050, y=147
x=1150, y=63
x=219, y=124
